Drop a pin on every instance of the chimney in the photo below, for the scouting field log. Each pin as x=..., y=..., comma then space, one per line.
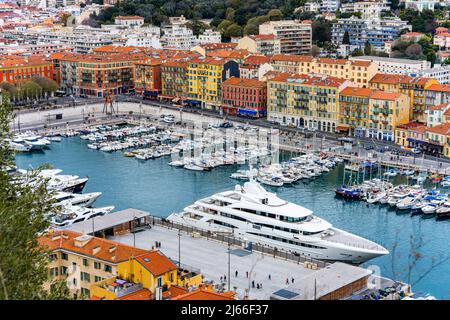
x=82, y=240
x=96, y=250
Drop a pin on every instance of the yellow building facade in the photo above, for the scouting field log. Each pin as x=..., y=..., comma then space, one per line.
x=414, y=88
x=359, y=72
x=387, y=111
x=205, y=77
x=305, y=101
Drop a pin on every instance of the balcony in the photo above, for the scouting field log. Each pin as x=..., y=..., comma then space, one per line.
x=114, y=288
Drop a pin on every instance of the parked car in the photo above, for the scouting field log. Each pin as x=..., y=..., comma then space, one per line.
x=416, y=150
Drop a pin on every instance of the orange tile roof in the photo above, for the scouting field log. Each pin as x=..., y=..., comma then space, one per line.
x=231, y=54
x=355, y=91
x=390, y=78
x=210, y=60
x=143, y=294
x=439, y=107
x=106, y=250
x=325, y=81
x=443, y=128
x=10, y=61
x=175, y=63
x=215, y=46
x=443, y=34
x=292, y=58
x=156, y=262
x=382, y=95
x=412, y=34
x=129, y=17
x=413, y=126
x=174, y=291
x=332, y=61
x=439, y=87
x=202, y=294
x=256, y=60
x=263, y=37
x=241, y=82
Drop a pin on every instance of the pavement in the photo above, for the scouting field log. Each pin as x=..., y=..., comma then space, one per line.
x=211, y=257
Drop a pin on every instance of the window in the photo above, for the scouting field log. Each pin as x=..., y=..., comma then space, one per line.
x=64, y=256
x=85, y=292
x=85, y=277
x=85, y=262
x=53, y=257
x=63, y=270
x=97, y=265
x=98, y=279
x=159, y=282
x=108, y=268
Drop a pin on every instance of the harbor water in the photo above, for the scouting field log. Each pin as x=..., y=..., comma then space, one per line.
x=160, y=189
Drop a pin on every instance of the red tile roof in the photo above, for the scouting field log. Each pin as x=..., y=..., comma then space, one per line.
x=143, y=294
x=355, y=91
x=156, y=262
x=439, y=87
x=201, y=294
x=241, y=82
x=292, y=58
x=326, y=81
x=442, y=129
x=96, y=248
x=382, y=95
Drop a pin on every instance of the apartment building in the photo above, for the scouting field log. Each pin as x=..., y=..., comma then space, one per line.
x=354, y=111
x=97, y=75
x=147, y=77
x=359, y=72
x=421, y=5
x=415, y=88
x=174, y=79
x=147, y=275
x=396, y=66
x=82, y=259
x=295, y=36
x=210, y=36
x=376, y=31
x=264, y=44
x=387, y=111
x=442, y=40
x=255, y=67
x=178, y=36
x=367, y=9
x=410, y=135
x=17, y=70
x=437, y=94
x=330, y=5
x=435, y=114
x=305, y=100
x=244, y=97
x=129, y=21
x=205, y=81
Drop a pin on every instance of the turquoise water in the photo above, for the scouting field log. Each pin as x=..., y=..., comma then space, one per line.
x=160, y=189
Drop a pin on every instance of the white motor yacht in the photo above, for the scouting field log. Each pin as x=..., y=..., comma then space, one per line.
x=254, y=215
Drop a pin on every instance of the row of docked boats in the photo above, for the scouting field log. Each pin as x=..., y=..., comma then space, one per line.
x=153, y=152
x=69, y=203
x=278, y=174
x=404, y=198
x=30, y=141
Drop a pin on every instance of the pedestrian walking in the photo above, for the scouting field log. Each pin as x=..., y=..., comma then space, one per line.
x=257, y=286
x=246, y=274
x=270, y=277
x=236, y=273
x=292, y=280
x=221, y=278
x=287, y=280
x=224, y=278
x=253, y=283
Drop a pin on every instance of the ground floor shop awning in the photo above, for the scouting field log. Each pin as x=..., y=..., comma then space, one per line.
x=342, y=127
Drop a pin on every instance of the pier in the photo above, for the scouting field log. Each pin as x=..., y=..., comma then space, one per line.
x=218, y=255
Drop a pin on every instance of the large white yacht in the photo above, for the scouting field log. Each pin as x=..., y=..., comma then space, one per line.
x=257, y=216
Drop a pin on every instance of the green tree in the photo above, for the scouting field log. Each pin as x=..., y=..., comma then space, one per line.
x=224, y=25
x=367, y=48
x=275, y=14
x=47, y=85
x=30, y=90
x=233, y=30
x=346, y=38
x=23, y=262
